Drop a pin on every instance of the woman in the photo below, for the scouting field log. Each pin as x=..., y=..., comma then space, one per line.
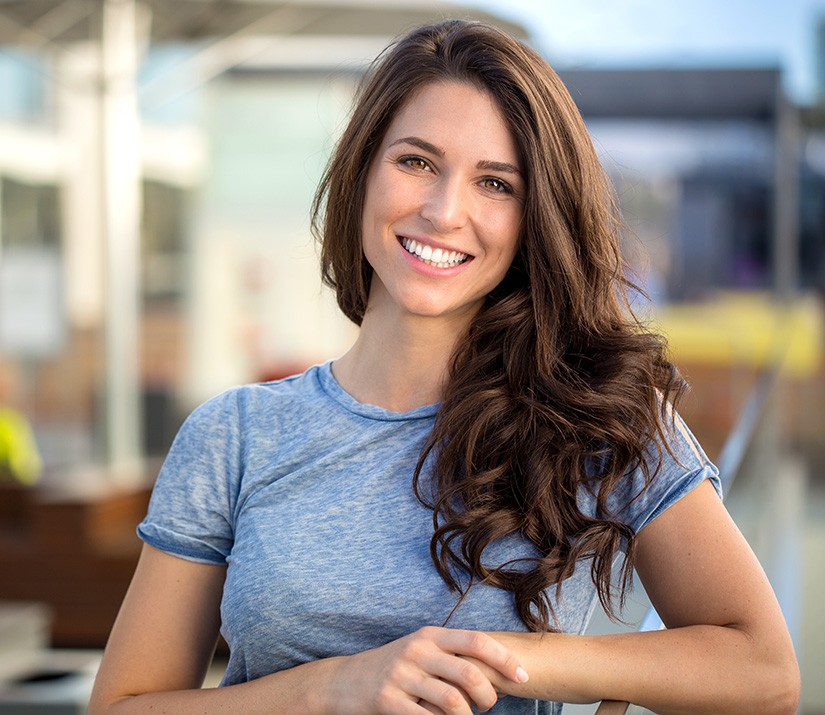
x=424, y=524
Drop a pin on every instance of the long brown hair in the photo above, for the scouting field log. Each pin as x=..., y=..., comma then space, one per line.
x=556, y=387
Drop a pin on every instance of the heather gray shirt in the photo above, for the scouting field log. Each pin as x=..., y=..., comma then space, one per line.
x=306, y=496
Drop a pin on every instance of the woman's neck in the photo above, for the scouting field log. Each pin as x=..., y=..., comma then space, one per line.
x=398, y=364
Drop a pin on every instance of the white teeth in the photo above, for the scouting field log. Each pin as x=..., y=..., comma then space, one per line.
x=437, y=257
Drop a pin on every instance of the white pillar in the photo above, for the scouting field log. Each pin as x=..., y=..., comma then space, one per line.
x=121, y=209
x=78, y=100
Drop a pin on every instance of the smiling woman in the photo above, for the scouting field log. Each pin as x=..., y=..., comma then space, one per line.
x=424, y=524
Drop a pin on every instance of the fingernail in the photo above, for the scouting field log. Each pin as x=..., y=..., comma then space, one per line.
x=521, y=675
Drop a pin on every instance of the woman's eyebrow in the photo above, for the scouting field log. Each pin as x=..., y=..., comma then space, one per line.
x=502, y=166
x=421, y=144
x=499, y=166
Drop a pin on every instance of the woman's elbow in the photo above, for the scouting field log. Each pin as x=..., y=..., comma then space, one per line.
x=781, y=687
x=103, y=702
x=99, y=706
x=790, y=690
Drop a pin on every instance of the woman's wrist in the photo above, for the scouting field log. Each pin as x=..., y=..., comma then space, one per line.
x=320, y=696
x=306, y=688
x=523, y=645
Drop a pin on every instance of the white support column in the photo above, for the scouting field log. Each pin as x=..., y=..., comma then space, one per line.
x=121, y=209
x=78, y=102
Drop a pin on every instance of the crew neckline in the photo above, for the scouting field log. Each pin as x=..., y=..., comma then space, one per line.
x=337, y=393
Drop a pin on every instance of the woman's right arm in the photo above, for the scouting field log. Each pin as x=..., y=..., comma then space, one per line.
x=165, y=634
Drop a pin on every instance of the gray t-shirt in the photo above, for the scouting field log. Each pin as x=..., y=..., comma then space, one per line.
x=306, y=496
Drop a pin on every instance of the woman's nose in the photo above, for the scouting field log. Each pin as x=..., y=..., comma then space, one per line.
x=446, y=205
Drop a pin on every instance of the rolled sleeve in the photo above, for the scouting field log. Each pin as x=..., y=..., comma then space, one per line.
x=191, y=510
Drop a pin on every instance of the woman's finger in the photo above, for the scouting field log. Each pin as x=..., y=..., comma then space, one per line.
x=480, y=646
x=466, y=676
x=436, y=695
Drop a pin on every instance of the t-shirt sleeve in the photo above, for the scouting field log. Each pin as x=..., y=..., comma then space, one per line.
x=677, y=475
x=191, y=510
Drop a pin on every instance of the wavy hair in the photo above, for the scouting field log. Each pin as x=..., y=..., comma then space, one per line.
x=556, y=387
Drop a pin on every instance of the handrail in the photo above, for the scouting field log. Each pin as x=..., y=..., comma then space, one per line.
x=730, y=460
x=736, y=445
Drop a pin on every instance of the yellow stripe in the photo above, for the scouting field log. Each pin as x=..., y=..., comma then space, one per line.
x=746, y=329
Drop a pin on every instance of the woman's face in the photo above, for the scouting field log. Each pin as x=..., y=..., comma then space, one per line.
x=443, y=206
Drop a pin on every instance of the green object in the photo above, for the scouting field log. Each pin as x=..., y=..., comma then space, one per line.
x=19, y=457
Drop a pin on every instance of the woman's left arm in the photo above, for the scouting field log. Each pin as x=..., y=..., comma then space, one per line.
x=726, y=647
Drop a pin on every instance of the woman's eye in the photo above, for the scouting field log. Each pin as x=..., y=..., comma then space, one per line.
x=496, y=185
x=415, y=162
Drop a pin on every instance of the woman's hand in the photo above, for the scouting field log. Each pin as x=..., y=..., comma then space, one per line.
x=426, y=671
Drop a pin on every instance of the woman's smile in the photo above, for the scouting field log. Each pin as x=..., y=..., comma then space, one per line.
x=437, y=257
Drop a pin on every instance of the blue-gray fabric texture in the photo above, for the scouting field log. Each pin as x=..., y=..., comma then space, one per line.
x=305, y=495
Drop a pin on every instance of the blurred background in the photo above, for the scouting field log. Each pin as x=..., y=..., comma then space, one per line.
x=157, y=162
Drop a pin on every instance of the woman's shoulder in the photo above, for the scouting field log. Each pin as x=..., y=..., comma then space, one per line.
x=674, y=465
x=675, y=468
x=257, y=399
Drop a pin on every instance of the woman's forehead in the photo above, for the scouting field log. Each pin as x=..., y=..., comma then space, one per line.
x=453, y=115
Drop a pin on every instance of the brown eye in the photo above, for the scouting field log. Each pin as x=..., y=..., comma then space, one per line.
x=496, y=185
x=415, y=162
